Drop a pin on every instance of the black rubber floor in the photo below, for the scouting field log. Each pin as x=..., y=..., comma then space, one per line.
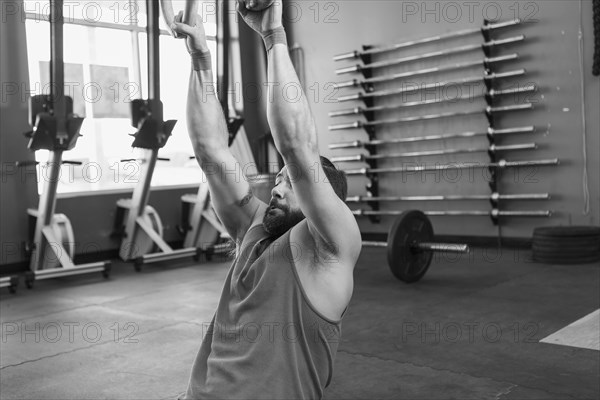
x=469, y=330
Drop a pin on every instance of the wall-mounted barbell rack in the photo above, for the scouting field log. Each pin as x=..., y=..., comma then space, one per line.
x=490, y=94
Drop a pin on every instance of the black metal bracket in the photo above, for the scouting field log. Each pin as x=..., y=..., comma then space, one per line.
x=366, y=59
x=373, y=191
x=489, y=86
x=373, y=184
x=147, y=117
x=486, y=36
x=45, y=134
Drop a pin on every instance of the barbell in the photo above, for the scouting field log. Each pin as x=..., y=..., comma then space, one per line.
x=491, y=132
x=410, y=246
x=493, y=149
x=501, y=164
x=489, y=94
x=450, y=35
x=434, y=54
x=494, y=213
x=485, y=62
x=487, y=111
x=487, y=77
x=494, y=197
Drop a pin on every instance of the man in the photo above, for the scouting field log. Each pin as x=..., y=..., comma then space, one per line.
x=276, y=329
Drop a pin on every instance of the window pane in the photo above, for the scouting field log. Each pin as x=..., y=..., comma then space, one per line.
x=208, y=12
x=174, y=79
x=111, y=11
x=77, y=41
x=41, y=7
x=109, y=101
x=38, y=50
x=104, y=69
x=73, y=84
x=108, y=47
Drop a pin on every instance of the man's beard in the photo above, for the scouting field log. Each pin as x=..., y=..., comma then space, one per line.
x=279, y=219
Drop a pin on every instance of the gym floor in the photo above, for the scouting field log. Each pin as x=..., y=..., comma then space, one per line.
x=471, y=329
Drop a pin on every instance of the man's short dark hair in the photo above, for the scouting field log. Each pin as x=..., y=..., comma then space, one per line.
x=336, y=178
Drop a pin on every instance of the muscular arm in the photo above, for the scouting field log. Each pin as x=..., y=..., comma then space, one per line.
x=230, y=192
x=294, y=132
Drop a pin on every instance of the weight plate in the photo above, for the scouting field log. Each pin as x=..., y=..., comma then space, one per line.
x=568, y=254
x=567, y=231
x=585, y=241
x=567, y=260
x=407, y=263
x=560, y=244
x=572, y=250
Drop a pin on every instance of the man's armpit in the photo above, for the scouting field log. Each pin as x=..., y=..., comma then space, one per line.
x=244, y=202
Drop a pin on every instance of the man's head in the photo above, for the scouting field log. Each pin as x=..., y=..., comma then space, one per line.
x=284, y=211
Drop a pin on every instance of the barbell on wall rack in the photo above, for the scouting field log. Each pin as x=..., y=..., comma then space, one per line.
x=434, y=85
x=449, y=197
x=494, y=213
x=496, y=165
x=380, y=142
x=492, y=93
x=451, y=35
x=440, y=53
x=491, y=149
x=486, y=61
x=488, y=111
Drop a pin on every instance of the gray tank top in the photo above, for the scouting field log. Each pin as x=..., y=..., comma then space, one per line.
x=266, y=340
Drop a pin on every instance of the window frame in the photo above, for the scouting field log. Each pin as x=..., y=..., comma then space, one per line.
x=134, y=28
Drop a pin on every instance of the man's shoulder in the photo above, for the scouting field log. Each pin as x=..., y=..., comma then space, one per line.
x=308, y=236
x=318, y=253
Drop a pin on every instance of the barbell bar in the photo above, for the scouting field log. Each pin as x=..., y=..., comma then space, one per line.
x=380, y=142
x=498, y=165
x=410, y=43
x=488, y=111
x=410, y=246
x=492, y=149
x=435, y=85
x=490, y=197
x=495, y=213
x=454, y=248
x=492, y=93
x=433, y=54
x=486, y=61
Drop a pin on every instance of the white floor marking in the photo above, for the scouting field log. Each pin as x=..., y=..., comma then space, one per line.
x=584, y=333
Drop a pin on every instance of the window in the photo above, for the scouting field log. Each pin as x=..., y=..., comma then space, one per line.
x=105, y=67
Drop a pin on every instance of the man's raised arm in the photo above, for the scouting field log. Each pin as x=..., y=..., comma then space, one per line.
x=295, y=137
x=230, y=192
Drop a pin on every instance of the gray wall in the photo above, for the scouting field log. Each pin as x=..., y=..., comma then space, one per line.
x=550, y=55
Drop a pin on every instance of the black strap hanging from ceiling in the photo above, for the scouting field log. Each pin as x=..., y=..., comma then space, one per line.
x=234, y=122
